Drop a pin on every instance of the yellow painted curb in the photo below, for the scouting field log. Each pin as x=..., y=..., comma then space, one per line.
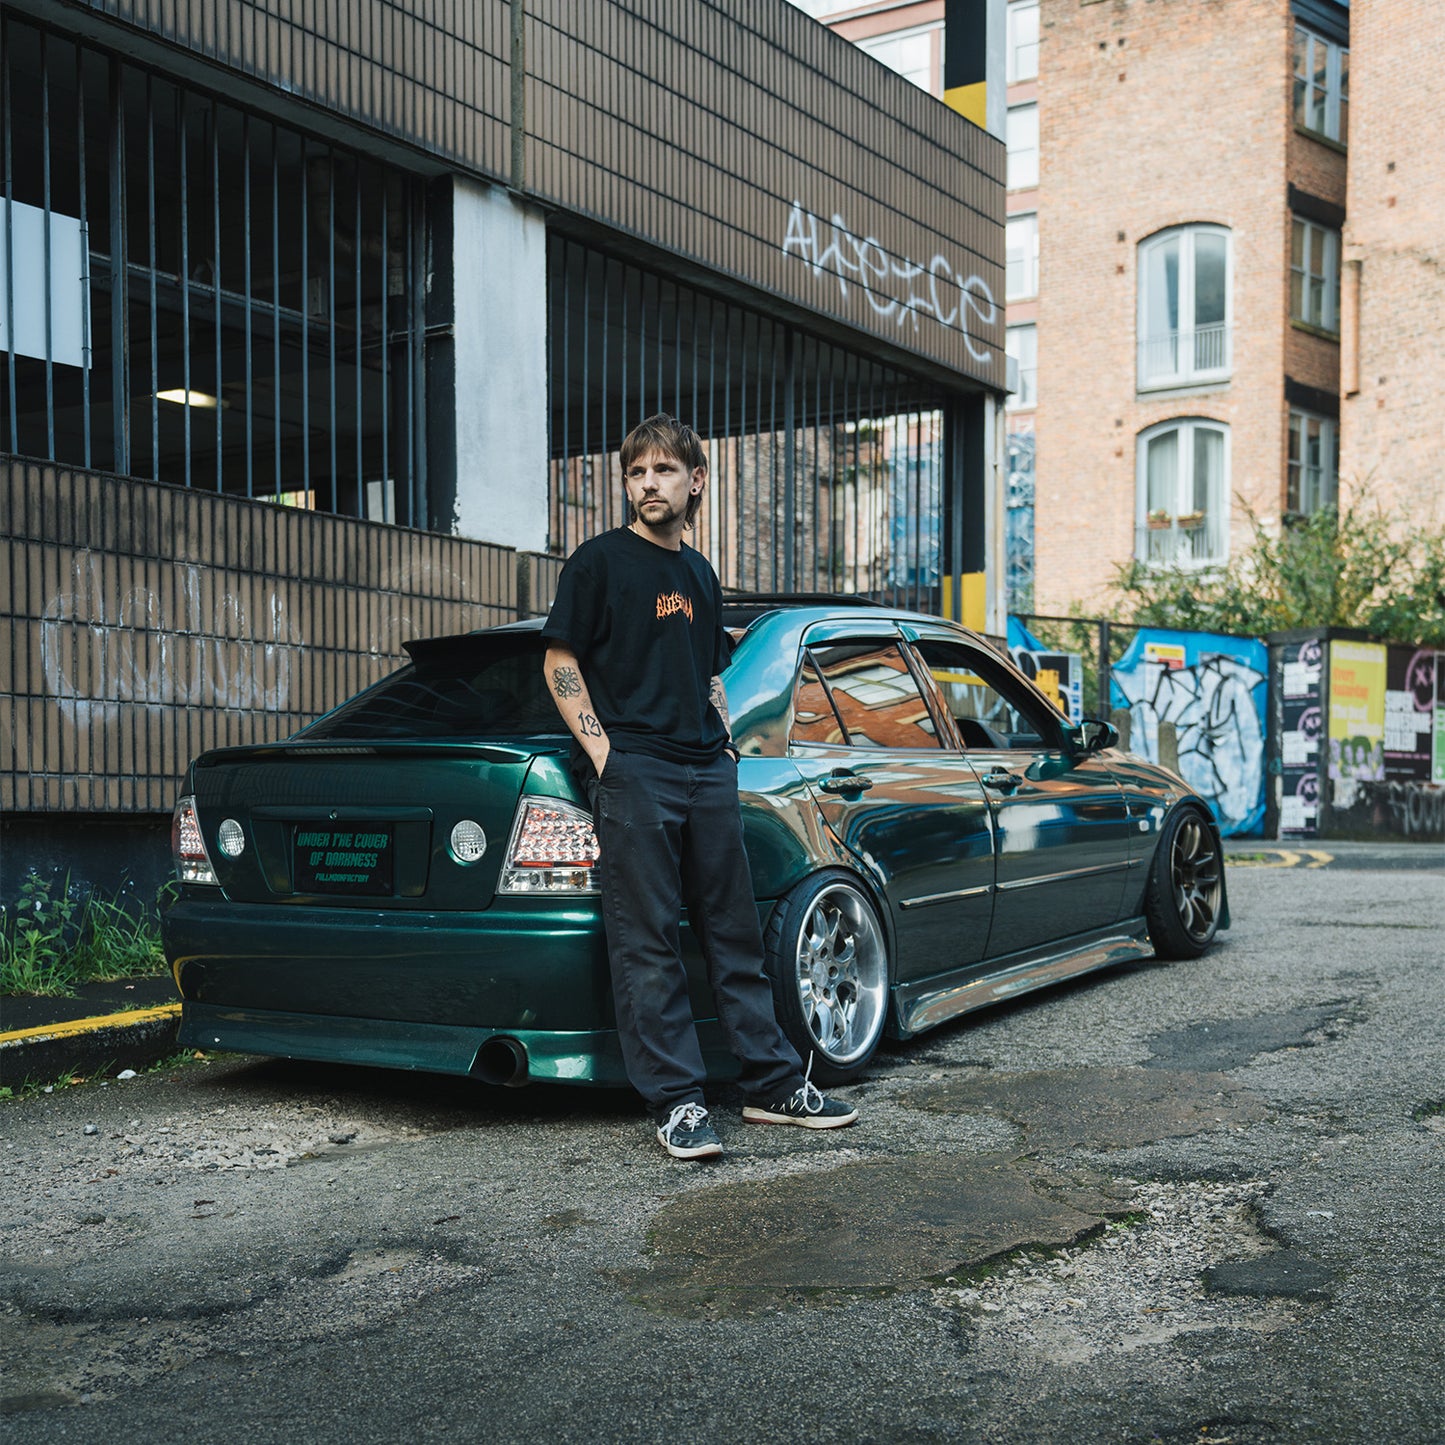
x=71, y=1027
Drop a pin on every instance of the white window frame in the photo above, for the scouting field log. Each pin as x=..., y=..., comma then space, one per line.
x=1021, y=239
x=1025, y=176
x=1026, y=398
x=1312, y=488
x=874, y=43
x=1330, y=107
x=1023, y=54
x=1190, y=355
x=1319, y=263
x=1181, y=541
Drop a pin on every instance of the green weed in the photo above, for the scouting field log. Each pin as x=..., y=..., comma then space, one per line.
x=57, y=938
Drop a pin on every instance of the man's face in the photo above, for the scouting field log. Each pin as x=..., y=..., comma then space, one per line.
x=660, y=486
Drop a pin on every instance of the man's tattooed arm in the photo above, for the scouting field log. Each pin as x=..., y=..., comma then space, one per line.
x=564, y=681
x=717, y=695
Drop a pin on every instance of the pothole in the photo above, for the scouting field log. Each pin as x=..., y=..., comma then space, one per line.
x=1138, y=1283
x=1224, y=1044
x=1102, y=1109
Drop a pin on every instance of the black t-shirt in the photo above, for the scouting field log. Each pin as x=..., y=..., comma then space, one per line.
x=645, y=623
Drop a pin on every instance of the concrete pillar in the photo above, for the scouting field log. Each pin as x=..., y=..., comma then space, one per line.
x=499, y=271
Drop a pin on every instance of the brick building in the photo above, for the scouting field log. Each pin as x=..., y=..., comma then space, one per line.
x=1393, y=347
x=1178, y=232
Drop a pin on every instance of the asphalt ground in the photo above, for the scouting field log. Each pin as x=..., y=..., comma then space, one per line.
x=132, y=1023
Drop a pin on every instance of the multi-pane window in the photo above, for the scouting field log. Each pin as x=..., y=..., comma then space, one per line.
x=1183, y=491
x=910, y=53
x=231, y=299
x=1184, y=306
x=1023, y=146
x=1314, y=281
x=1022, y=343
x=1022, y=255
x=1023, y=40
x=1314, y=462
x=1321, y=85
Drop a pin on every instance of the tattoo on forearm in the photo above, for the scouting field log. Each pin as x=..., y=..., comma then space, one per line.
x=589, y=725
x=719, y=699
x=565, y=682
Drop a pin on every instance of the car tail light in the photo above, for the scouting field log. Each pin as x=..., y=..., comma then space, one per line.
x=553, y=849
x=193, y=864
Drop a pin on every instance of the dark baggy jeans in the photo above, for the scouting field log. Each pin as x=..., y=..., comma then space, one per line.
x=671, y=833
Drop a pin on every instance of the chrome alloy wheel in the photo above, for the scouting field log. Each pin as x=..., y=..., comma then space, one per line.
x=842, y=973
x=1194, y=869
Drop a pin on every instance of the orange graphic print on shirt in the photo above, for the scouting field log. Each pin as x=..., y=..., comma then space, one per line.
x=669, y=603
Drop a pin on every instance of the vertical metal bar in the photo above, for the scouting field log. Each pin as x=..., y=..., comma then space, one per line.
x=564, y=490
x=606, y=480
x=356, y=254
x=742, y=443
x=417, y=318
x=1106, y=668
x=85, y=256
x=155, y=401
x=586, y=386
x=790, y=481
x=331, y=315
x=216, y=276
x=817, y=459
x=46, y=248
x=246, y=291
x=276, y=310
x=119, y=287
x=10, y=235
x=304, y=186
x=185, y=188
x=388, y=473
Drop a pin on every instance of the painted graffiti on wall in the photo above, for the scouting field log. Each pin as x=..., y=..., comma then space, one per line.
x=205, y=649
x=895, y=287
x=1213, y=690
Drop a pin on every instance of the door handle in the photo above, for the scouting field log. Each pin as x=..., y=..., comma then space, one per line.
x=1001, y=780
x=845, y=782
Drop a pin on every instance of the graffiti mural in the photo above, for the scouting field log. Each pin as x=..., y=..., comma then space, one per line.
x=1213, y=690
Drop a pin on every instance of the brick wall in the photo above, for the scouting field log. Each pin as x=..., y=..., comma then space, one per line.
x=1152, y=115
x=1396, y=231
x=141, y=624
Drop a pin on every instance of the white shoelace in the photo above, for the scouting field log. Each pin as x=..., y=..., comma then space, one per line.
x=684, y=1116
x=810, y=1091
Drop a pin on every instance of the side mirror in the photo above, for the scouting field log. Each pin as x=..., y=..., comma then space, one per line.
x=1093, y=736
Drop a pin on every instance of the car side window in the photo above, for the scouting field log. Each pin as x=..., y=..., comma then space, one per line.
x=990, y=708
x=864, y=695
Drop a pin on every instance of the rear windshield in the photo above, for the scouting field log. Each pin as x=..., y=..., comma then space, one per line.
x=461, y=688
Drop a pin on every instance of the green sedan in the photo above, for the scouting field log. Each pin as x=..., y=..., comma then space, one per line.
x=408, y=882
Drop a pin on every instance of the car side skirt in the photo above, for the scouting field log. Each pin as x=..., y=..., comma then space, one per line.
x=932, y=1001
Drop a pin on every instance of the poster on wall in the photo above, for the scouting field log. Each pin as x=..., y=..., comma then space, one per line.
x=1301, y=729
x=1356, y=726
x=1213, y=689
x=1385, y=773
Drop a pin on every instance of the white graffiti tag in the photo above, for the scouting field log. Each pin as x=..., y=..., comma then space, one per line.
x=1221, y=740
x=894, y=287
x=98, y=655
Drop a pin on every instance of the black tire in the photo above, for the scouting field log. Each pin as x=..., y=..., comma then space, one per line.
x=827, y=957
x=1186, y=886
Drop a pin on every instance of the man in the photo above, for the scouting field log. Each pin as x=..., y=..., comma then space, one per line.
x=635, y=649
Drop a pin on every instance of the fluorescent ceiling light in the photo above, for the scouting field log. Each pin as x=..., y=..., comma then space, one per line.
x=202, y=399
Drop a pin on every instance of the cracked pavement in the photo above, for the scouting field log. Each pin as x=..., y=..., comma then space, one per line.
x=1188, y=1202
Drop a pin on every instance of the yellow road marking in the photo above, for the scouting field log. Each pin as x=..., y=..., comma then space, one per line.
x=1320, y=858
x=72, y=1027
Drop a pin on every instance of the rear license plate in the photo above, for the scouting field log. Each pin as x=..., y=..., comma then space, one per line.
x=355, y=858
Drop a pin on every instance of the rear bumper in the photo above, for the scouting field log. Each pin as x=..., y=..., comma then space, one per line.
x=592, y=1057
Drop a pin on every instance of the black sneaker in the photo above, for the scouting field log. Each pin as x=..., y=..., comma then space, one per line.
x=807, y=1106
x=686, y=1134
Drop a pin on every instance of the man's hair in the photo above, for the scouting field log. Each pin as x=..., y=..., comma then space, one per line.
x=673, y=438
